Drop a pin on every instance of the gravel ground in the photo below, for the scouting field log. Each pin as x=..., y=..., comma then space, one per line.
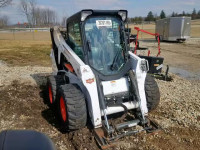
x=24, y=75
x=23, y=106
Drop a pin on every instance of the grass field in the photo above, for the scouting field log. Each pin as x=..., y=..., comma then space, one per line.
x=45, y=36
x=33, y=48
x=36, y=36
x=22, y=53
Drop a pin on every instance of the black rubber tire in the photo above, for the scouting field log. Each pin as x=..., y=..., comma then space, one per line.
x=161, y=38
x=152, y=93
x=138, y=44
x=54, y=82
x=156, y=38
x=75, y=106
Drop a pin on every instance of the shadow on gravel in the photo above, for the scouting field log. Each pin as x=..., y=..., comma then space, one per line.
x=41, y=81
x=51, y=117
x=49, y=114
x=40, y=78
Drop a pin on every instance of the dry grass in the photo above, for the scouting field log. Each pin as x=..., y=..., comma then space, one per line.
x=24, y=52
x=195, y=31
x=45, y=36
x=196, y=22
x=33, y=48
x=147, y=27
x=36, y=36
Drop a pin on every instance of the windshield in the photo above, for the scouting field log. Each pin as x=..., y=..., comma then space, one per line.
x=106, y=48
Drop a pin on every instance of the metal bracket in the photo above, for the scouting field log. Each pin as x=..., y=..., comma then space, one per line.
x=105, y=140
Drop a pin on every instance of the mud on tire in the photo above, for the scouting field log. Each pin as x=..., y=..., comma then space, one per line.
x=152, y=93
x=53, y=84
x=72, y=107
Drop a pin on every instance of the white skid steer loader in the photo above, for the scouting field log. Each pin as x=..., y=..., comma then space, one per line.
x=95, y=77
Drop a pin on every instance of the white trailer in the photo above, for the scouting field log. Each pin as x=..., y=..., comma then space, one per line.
x=174, y=28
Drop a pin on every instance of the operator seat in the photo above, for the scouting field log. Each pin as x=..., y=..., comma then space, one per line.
x=96, y=47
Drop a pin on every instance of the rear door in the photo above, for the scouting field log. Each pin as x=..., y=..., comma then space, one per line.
x=166, y=29
x=186, y=26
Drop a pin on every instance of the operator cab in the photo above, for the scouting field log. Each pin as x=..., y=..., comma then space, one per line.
x=98, y=38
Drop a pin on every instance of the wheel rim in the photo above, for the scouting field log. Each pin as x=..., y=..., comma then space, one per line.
x=63, y=109
x=50, y=94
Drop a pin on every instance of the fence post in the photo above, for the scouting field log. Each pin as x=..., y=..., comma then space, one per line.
x=142, y=29
x=13, y=34
x=33, y=34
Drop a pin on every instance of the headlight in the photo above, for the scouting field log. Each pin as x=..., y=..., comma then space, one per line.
x=123, y=14
x=144, y=65
x=85, y=14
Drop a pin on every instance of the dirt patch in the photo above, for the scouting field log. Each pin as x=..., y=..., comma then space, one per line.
x=24, y=107
x=174, y=138
x=83, y=139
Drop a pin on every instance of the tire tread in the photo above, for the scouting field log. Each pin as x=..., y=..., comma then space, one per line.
x=152, y=93
x=76, y=106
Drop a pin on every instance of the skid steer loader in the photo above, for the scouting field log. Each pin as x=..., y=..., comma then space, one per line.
x=95, y=77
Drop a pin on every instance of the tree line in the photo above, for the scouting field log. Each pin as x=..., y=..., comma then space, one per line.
x=41, y=17
x=153, y=17
x=4, y=19
x=37, y=16
x=194, y=15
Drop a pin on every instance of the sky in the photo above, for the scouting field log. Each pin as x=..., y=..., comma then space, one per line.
x=134, y=7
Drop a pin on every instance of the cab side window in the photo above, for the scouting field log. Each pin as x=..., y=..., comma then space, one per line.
x=74, y=39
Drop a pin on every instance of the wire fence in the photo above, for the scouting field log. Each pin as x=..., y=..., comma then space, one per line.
x=44, y=34
x=25, y=34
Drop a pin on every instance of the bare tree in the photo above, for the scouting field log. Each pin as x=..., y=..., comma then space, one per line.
x=33, y=11
x=37, y=16
x=4, y=3
x=24, y=7
x=28, y=8
x=63, y=22
x=46, y=17
x=3, y=21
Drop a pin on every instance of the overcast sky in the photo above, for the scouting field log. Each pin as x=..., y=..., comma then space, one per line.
x=134, y=7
